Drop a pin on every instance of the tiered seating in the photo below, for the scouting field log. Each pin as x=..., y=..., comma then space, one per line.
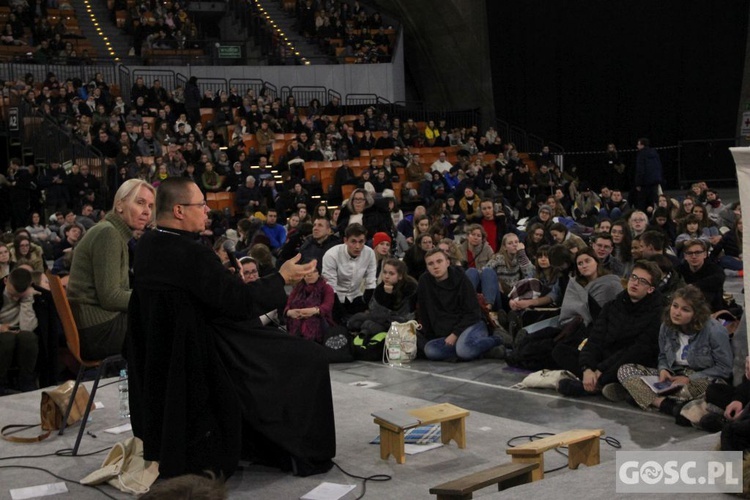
x=359, y=40
x=72, y=34
x=184, y=47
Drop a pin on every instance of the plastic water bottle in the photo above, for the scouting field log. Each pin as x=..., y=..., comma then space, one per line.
x=124, y=394
x=393, y=347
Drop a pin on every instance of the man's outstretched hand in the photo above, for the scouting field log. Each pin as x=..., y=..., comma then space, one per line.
x=292, y=272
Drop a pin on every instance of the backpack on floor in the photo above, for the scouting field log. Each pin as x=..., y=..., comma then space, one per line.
x=534, y=351
x=369, y=347
x=337, y=343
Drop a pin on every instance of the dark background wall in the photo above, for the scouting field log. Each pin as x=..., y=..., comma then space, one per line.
x=586, y=72
x=447, y=52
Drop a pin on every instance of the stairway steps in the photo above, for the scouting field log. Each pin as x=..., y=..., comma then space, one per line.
x=286, y=24
x=119, y=43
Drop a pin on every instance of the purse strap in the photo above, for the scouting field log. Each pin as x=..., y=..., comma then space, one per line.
x=22, y=427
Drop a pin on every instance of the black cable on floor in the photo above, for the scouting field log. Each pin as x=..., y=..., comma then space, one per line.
x=374, y=477
x=56, y=476
x=613, y=442
x=65, y=452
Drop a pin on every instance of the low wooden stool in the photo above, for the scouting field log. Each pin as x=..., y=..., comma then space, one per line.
x=452, y=426
x=505, y=476
x=583, y=448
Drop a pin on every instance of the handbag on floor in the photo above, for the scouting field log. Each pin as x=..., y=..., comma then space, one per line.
x=544, y=379
x=53, y=406
x=125, y=469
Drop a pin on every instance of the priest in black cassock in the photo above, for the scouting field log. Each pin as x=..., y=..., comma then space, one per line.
x=206, y=388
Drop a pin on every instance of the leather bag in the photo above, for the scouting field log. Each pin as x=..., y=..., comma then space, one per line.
x=53, y=406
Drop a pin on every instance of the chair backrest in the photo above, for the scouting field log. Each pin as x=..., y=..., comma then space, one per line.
x=66, y=315
x=346, y=190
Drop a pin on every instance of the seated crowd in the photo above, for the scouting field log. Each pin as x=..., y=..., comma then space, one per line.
x=499, y=242
x=43, y=32
x=346, y=29
x=154, y=25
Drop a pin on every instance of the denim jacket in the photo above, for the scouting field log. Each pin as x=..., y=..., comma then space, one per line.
x=709, y=351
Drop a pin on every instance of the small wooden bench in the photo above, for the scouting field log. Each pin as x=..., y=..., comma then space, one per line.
x=583, y=448
x=451, y=418
x=505, y=476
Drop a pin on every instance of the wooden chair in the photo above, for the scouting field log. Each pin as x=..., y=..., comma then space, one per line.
x=74, y=345
x=326, y=179
x=346, y=190
x=207, y=115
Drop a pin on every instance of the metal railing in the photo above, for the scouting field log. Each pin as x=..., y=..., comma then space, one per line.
x=256, y=84
x=215, y=85
x=49, y=141
x=523, y=140
x=18, y=70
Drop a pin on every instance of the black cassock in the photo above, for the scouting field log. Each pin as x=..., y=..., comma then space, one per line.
x=206, y=388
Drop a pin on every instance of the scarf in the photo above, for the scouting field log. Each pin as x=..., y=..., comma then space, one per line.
x=304, y=295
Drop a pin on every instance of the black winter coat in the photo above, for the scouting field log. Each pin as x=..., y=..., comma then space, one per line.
x=205, y=386
x=624, y=332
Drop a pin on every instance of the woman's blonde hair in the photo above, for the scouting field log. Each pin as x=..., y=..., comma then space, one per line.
x=129, y=189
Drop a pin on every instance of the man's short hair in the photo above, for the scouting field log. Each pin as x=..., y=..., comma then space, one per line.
x=696, y=242
x=435, y=250
x=189, y=486
x=20, y=278
x=653, y=239
x=603, y=236
x=559, y=227
x=661, y=260
x=169, y=193
x=355, y=230
x=651, y=268
x=320, y=217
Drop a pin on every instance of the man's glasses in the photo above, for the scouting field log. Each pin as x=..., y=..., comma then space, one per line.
x=200, y=204
x=694, y=253
x=641, y=281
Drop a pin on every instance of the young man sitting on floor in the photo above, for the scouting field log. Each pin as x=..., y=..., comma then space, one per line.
x=626, y=331
x=451, y=318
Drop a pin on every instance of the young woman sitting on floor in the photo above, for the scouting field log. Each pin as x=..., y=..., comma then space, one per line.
x=694, y=351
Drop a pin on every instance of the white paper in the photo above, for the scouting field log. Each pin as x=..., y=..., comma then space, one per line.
x=98, y=405
x=413, y=449
x=120, y=429
x=328, y=491
x=366, y=384
x=43, y=490
x=485, y=428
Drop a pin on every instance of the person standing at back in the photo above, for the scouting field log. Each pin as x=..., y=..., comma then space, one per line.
x=648, y=175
